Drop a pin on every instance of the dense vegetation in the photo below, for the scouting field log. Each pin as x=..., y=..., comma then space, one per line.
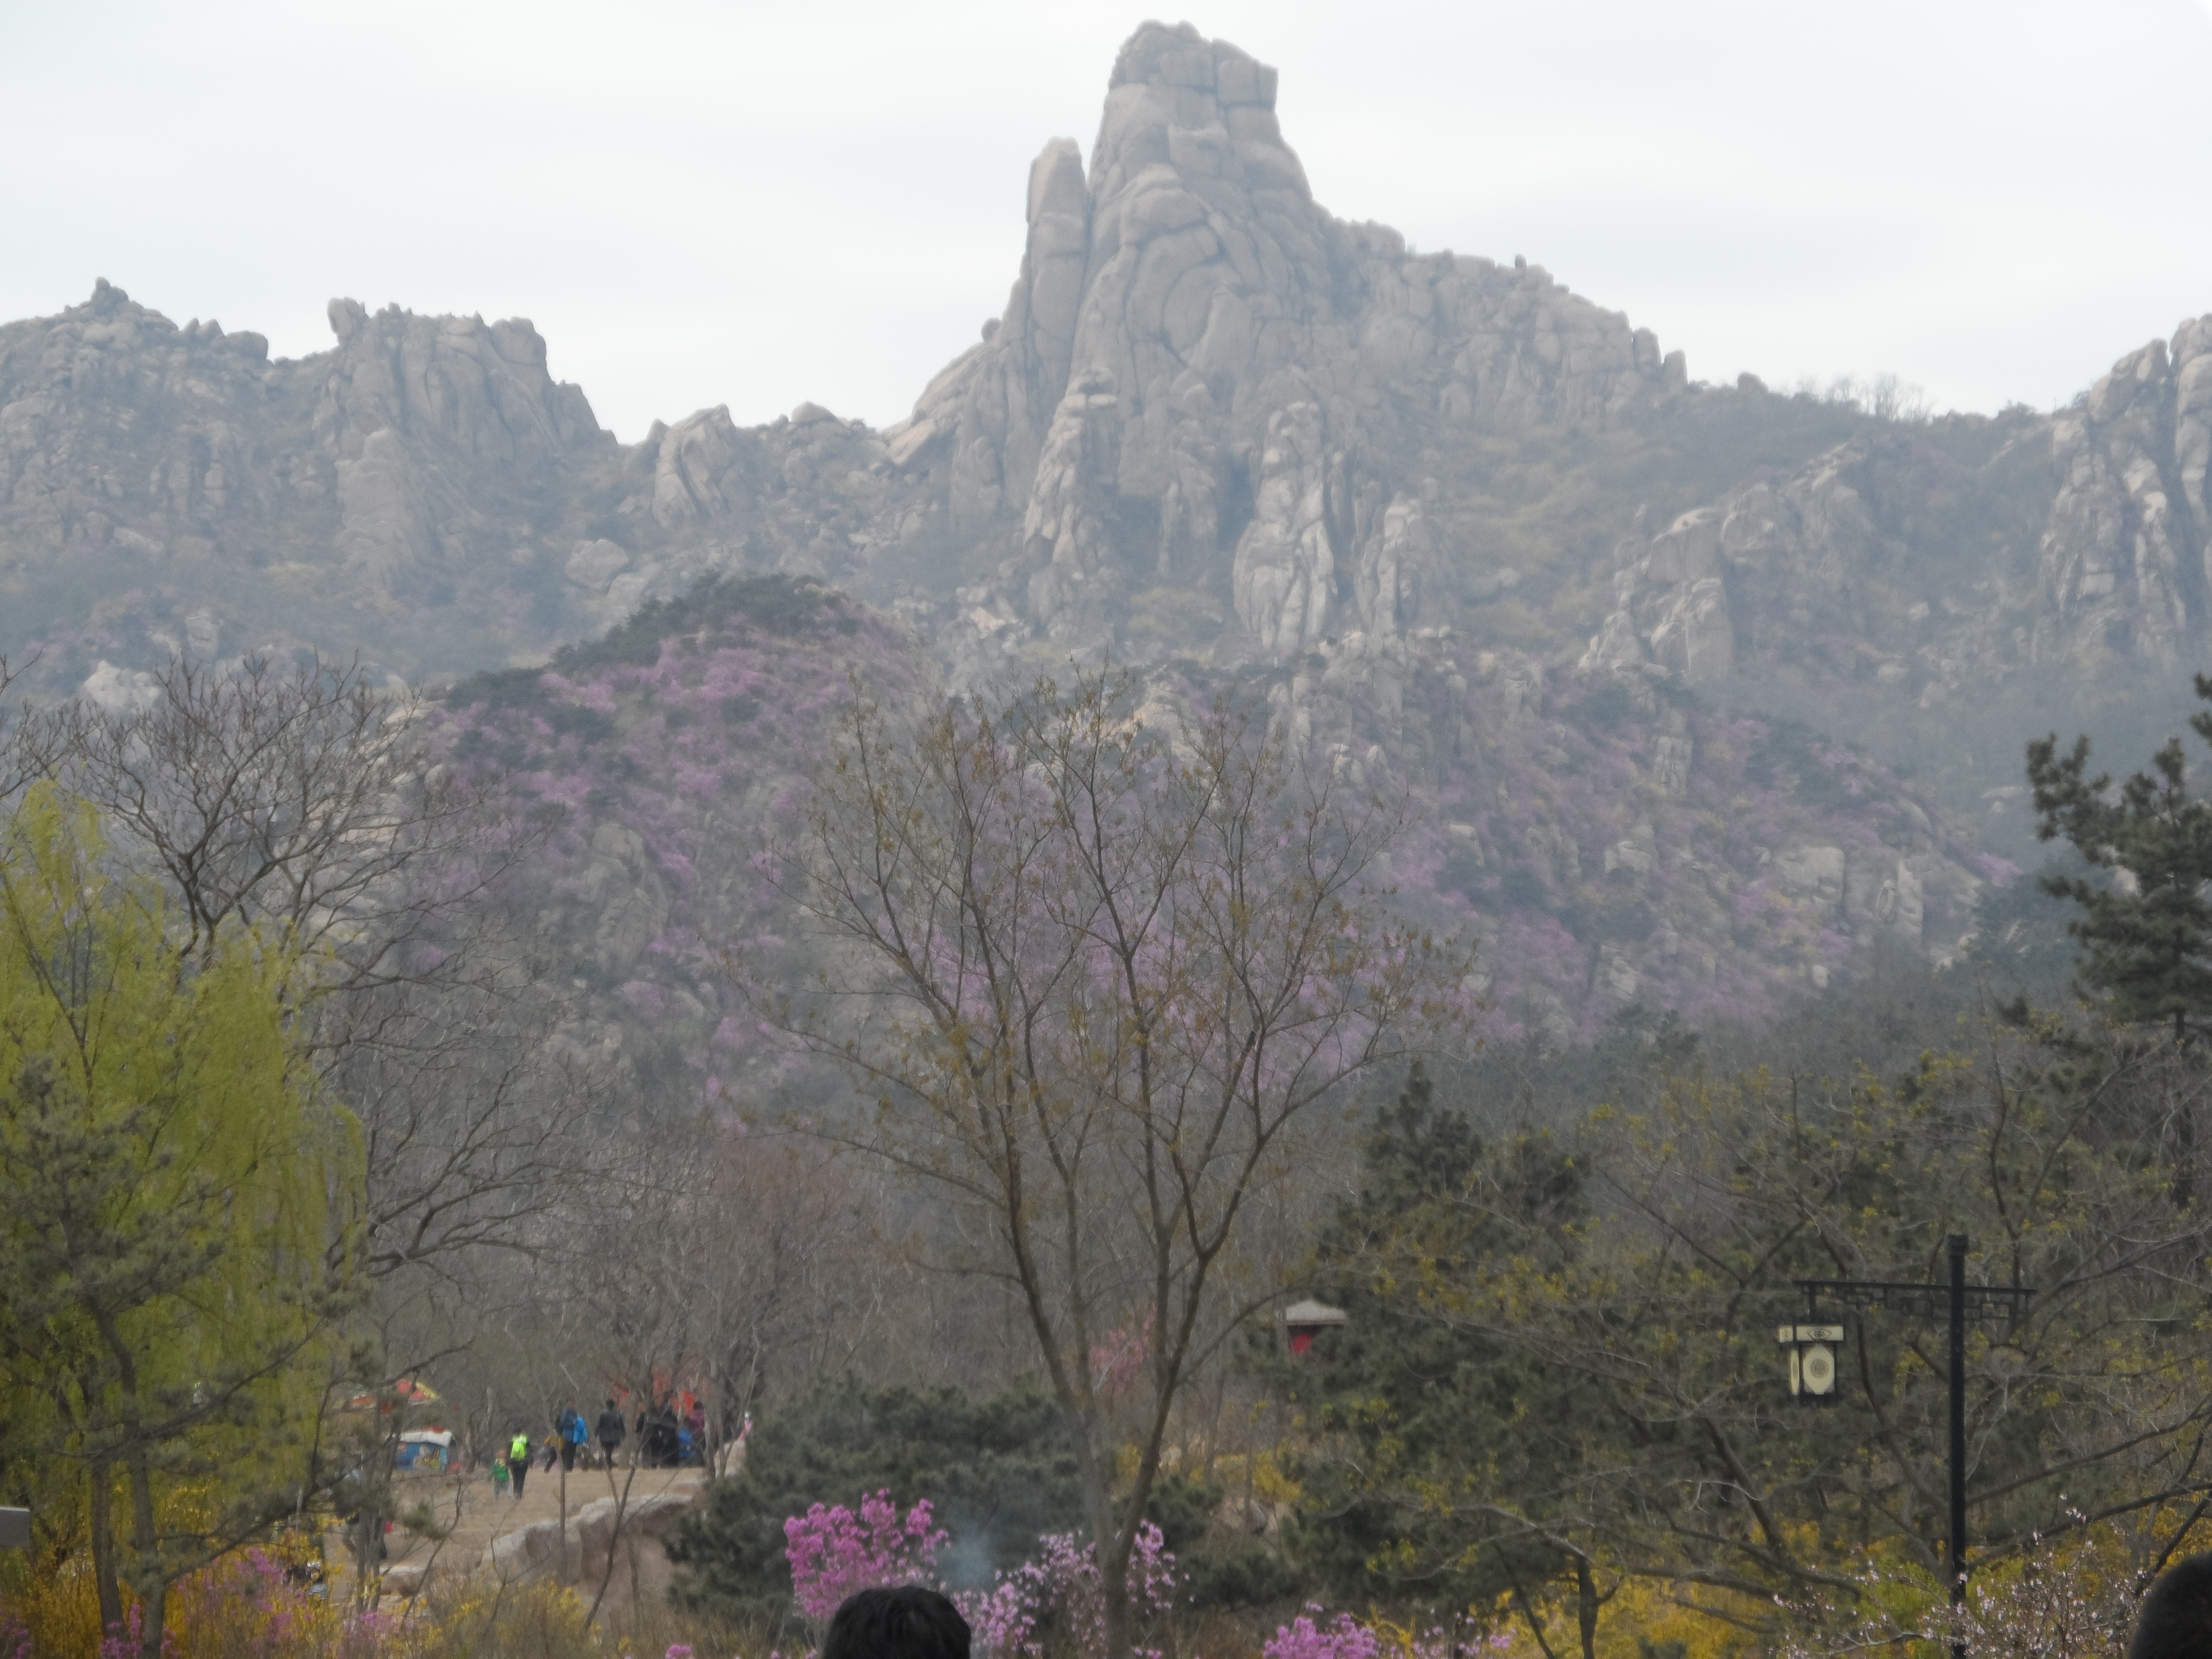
x=287, y=1137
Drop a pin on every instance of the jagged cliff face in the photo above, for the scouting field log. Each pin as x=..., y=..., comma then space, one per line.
x=425, y=492
x=173, y=487
x=1946, y=559
x=1471, y=534
x=1203, y=384
x=2127, y=561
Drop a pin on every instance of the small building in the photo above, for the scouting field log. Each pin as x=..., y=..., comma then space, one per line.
x=1307, y=1320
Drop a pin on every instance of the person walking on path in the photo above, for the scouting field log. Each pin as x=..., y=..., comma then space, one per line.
x=612, y=1430
x=573, y=1433
x=518, y=1462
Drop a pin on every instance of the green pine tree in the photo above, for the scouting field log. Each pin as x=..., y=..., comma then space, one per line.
x=1441, y=1453
x=2146, y=934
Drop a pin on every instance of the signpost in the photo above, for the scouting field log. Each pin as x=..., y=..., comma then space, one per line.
x=1961, y=1301
x=14, y=1529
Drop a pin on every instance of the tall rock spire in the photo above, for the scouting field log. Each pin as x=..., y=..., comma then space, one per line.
x=1199, y=369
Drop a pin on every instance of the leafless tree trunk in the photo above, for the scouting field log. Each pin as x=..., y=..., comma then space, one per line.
x=1098, y=967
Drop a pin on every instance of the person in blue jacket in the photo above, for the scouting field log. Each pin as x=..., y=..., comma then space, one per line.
x=570, y=1430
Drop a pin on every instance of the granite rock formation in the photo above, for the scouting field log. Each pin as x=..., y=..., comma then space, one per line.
x=2127, y=560
x=425, y=492
x=1657, y=659
x=1202, y=373
x=1951, y=556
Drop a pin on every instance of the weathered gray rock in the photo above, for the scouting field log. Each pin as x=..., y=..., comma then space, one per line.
x=1285, y=573
x=383, y=522
x=1255, y=348
x=2127, y=560
x=1067, y=533
x=1396, y=568
x=452, y=385
x=1802, y=572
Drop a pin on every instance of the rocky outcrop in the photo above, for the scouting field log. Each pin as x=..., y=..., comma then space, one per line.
x=1804, y=556
x=432, y=425
x=1899, y=560
x=450, y=387
x=1285, y=573
x=1201, y=376
x=182, y=475
x=425, y=492
x=1942, y=558
x=2127, y=561
x=122, y=429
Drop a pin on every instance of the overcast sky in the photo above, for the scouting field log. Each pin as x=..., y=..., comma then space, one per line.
x=752, y=204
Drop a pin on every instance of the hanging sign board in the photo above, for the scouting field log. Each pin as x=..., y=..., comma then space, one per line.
x=14, y=1529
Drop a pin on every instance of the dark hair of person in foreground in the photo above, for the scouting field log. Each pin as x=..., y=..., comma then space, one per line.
x=2175, y=1623
x=907, y=1622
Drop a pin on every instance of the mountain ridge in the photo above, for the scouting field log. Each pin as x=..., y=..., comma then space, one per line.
x=1708, y=694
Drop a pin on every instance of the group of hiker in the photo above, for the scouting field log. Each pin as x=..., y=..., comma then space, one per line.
x=663, y=1438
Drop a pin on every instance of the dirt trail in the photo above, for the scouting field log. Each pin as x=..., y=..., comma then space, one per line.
x=464, y=1505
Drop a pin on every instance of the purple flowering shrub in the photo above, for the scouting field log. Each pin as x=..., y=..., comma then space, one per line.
x=1610, y=844
x=833, y=1551
x=1054, y=1596
x=1343, y=1637
x=1347, y=1637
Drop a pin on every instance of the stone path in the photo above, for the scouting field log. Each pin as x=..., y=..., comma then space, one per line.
x=484, y=1529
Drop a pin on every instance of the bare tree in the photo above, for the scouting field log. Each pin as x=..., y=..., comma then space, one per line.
x=1098, y=967
x=772, y=1239
x=302, y=802
x=306, y=803
x=477, y=1124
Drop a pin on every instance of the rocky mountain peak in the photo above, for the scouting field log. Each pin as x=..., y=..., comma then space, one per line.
x=464, y=386
x=1227, y=437
x=2127, y=560
x=1190, y=419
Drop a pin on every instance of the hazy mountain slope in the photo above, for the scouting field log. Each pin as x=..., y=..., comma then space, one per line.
x=426, y=494
x=1213, y=421
x=1611, y=844
x=1724, y=689
x=662, y=760
x=167, y=486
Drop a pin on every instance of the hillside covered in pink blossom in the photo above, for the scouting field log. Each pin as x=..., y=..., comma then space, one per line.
x=1612, y=841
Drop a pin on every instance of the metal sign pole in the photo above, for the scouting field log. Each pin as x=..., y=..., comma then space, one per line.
x=1956, y=1246
x=1961, y=1301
